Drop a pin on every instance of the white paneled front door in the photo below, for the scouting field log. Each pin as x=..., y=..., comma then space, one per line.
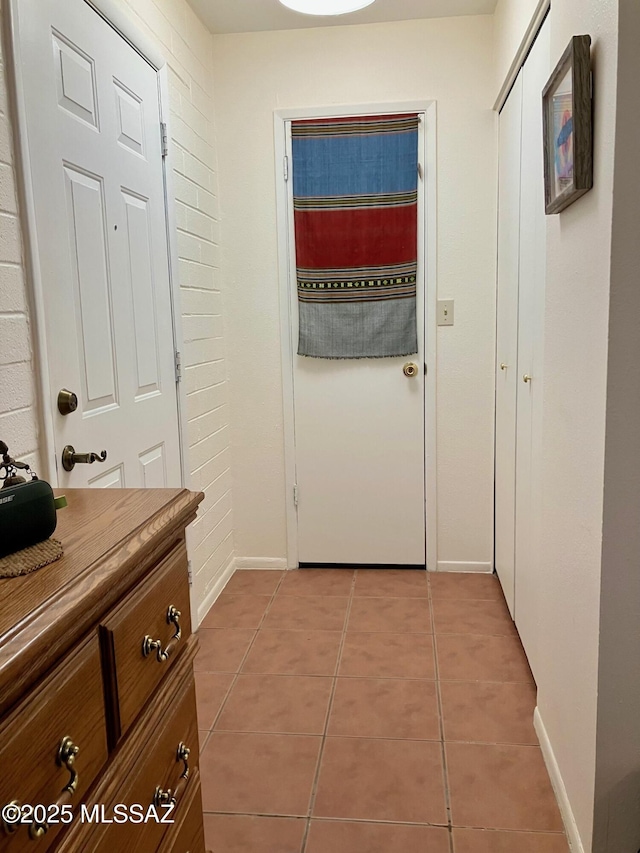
x=96, y=173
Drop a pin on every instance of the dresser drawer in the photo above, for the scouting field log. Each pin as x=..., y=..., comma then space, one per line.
x=53, y=746
x=166, y=770
x=142, y=638
x=187, y=835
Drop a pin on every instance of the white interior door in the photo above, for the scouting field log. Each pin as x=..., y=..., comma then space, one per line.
x=507, y=337
x=95, y=161
x=530, y=338
x=360, y=448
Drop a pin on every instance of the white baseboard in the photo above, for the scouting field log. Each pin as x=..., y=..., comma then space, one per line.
x=573, y=836
x=454, y=566
x=275, y=563
x=221, y=581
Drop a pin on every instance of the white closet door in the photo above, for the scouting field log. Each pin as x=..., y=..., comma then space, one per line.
x=507, y=337
x=530, y=339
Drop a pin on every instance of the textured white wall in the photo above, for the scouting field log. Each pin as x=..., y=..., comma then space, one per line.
x=186, y=44
x=18, y=421
x=450, y=60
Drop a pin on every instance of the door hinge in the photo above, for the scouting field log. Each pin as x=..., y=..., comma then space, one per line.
x=295, y=495
x=190, y=572
x=285, y=167
x=164, y=139
x=420, y=170
x=178, y=358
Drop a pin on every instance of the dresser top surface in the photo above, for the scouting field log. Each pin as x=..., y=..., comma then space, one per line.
x=108, y=536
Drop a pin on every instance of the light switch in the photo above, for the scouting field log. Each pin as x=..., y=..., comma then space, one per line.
x=445, y=312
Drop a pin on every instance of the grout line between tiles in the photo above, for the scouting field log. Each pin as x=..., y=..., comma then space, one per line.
x=445, y=770
x=305, y=835
x=352, y=677
x=314, y=787
x=320, y=630
x=206, y=740
x=361, y=737
x=357, y=820
x=409, y=633
x=224, y=700
x=387, y=595
x=242, y=662
x=509, y=743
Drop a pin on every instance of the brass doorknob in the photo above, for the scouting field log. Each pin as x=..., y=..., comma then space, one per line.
x=527, y=378
x=410, y=369
x=503, y=366
x=70, y=458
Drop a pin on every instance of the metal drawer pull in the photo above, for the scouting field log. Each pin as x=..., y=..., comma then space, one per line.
x=149, y=645
x=10, y=827
x=66, y=757
x=169, y=797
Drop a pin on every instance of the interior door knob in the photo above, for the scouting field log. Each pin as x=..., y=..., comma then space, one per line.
x=70, y=458
x=527, y=378
x=503, y=366
x=410, y=369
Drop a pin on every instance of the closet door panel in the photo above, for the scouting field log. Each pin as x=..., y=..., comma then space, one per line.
x=530, y=343
x=507, y=337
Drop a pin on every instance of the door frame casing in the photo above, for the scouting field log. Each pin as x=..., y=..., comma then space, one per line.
x=114, y=16
x=427, y=244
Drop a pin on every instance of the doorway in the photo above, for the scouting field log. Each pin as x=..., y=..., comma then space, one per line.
x=360, y=433
x=92, y=144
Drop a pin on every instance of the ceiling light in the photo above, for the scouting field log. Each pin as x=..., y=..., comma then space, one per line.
x=326, y=7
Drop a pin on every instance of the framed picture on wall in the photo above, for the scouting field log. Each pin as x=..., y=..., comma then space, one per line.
x=567, y=123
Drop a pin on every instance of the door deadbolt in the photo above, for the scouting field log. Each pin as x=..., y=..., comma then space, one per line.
x=67, y=402
x=410, y=369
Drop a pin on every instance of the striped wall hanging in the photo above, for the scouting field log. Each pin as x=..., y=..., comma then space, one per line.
x=355, y=183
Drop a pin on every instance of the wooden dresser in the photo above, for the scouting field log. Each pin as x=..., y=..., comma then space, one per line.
x=97, y=698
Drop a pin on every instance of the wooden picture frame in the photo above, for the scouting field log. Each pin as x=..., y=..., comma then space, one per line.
x=567, y=124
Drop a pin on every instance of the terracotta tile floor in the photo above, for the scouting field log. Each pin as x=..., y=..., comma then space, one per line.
x=369, y=712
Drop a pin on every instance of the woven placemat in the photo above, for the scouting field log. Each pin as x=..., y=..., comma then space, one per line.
x=30, y=559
